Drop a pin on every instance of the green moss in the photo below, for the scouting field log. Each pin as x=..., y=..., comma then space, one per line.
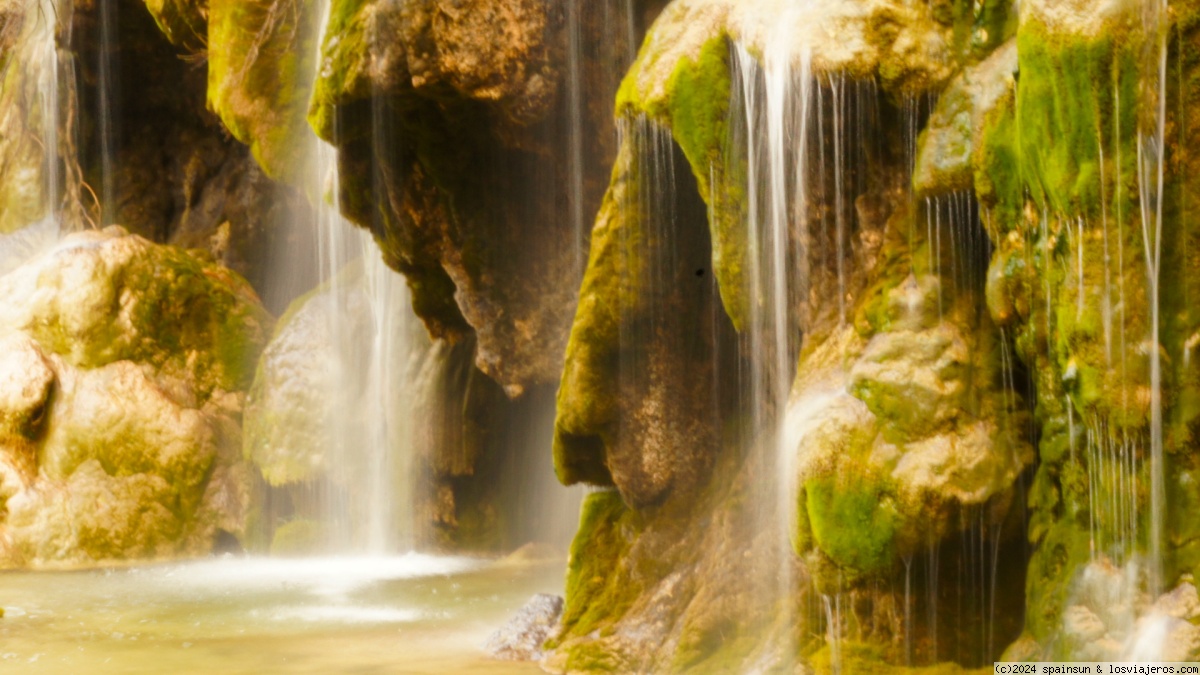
x=344, y=56
x=166, y=308
x=599, y=589
x=182, y=21
x=592, y=657
x=1072, y=91
x=997, y=174
x=856, y=657
x=854, y=521
x=587, y=405
x=695, y=105
x=260, y=71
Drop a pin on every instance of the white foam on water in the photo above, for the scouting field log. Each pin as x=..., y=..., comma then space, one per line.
x=330, y=576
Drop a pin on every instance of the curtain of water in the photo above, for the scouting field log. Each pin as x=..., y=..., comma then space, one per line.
x=33, y=76
x=367, y=501
x=774, y=99
x=805, y=140
x=808, y=140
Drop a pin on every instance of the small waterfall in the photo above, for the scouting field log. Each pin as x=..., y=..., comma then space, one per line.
x=804, y=139
x=772, y=128
x=366, y=501
x=46, y=67
x=601, y=44
x=35, y=72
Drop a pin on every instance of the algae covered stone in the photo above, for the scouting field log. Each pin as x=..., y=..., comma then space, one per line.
x=261, y=56
x=122, y=387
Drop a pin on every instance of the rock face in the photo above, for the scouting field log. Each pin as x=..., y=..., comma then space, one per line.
x=1095, y=301
x=445, y=438
x=104, y=121
x=445, y=116
x=902, y=437
x=471, y=108
x=644, y=424
x=521, y=638
x=123, y=378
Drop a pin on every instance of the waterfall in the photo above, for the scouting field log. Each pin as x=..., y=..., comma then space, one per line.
x=366, y=501
x=775, y=99
x=36, y=78
x=803, y=138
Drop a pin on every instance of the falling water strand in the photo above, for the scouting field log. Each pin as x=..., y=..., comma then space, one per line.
x=1106, y=304
x=836, y=85
x=575, y=158
x=1151, y=155
x=107, y=108
x=371, y=327
x=48, y=95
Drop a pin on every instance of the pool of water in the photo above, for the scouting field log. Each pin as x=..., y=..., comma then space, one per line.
x=404, y=614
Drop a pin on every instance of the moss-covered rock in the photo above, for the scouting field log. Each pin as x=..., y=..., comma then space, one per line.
x=639, y=391
x=878, y=480
x=1069, y=189
x=184, y=22
x=443, y=114
x=122, y=401
x=682, y=80
x=261, y=65
x=947, y=147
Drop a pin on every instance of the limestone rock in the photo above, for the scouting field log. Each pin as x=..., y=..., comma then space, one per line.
x=646, y=425
x=289, y=434
x=912, y=379
x=474, y=92
x=184, y=22
x=521, y=638
x=120, y=398
x=261, y=56
x=1110, y=617
x=945, y=156
x=682, y=79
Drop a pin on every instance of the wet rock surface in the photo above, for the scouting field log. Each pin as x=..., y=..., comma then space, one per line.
x=123, y=383
x=522, y=637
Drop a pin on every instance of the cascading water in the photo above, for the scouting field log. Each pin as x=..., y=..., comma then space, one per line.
x=376, y=348
x=911, y=356
x=35, y=123
x=796, y=131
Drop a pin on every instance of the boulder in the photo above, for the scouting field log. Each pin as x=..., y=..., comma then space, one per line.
x=121, y=390
x=521, y=638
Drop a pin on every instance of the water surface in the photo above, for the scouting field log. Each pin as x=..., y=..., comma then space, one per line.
x=403, y=614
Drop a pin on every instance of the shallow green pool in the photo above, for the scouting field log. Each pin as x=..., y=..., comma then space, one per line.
x=404, y=614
